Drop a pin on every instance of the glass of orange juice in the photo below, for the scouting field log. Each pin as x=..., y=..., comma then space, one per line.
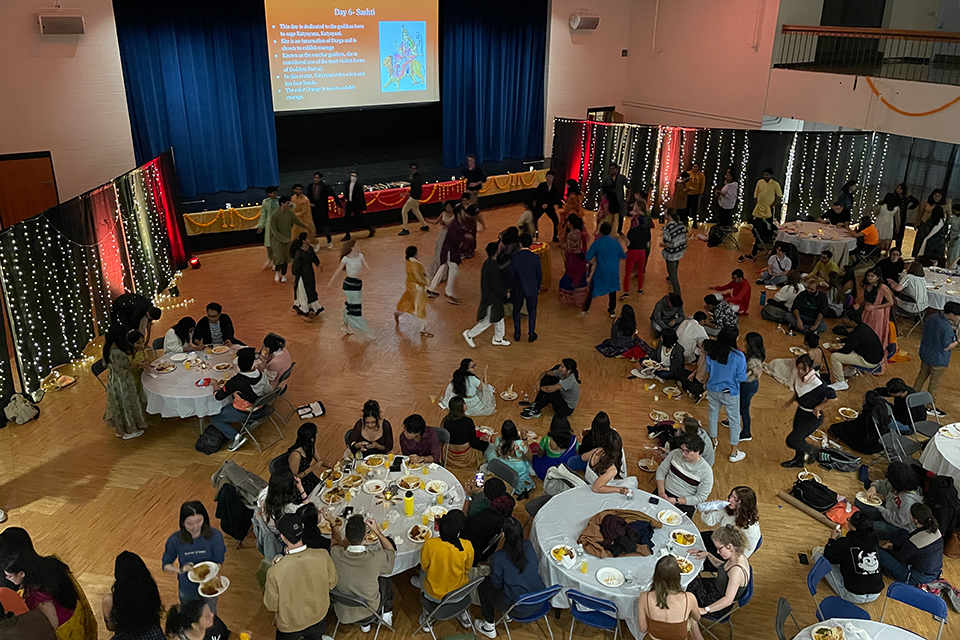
x=390, y=458
x=426, y=469
x=426, y=518
x=384, y=525
x=583, y=566
x=329, y=483
x=439, y=498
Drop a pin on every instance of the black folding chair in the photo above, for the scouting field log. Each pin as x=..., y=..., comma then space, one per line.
x=96, y=369
x=261, y=411
x=449, y=607
x=338, y=597
x=283, y=378
x=784, y=611
x=927, y=428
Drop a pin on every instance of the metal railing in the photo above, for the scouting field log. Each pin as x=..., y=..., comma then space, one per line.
x=924, y=56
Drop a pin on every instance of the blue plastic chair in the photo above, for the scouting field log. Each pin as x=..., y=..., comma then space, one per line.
x=918, y=599
x=542, y=598
x=759, y=544
x=726, y=616
x=593, y=612
x=831, y=606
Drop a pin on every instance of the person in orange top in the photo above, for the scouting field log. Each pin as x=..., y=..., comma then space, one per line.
x=736, y=292
x=867, y=234
x=301, y=209
x=695, y=187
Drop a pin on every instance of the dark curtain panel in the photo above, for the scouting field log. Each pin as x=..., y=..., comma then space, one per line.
x=493, y=79
x=569, y=142
x=768, y=150
x=198, y=80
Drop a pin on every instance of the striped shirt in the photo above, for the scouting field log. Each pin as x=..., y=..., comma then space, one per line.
x=675, y=235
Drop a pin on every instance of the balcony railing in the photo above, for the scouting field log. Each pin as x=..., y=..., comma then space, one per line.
x=924, y=56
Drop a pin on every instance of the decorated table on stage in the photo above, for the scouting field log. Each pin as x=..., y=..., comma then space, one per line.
x=560, y=522
x=365, y=499
x=859, y=630
x=815, y=237
x=943, y=286
x=175, y=394
x=942, y=453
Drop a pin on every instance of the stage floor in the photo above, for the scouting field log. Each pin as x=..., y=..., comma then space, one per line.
x=86, y=495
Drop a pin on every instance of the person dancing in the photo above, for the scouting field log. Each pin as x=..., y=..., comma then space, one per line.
x=352, y=262
x=304, y=260
x=414, y=299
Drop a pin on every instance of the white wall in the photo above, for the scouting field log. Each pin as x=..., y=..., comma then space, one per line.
x=585, y=68
x=701, y=69
x=64, y=94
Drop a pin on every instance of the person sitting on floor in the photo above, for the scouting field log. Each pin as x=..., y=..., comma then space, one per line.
x=720, y=315
x=478, y=396
x=809, y=308
x=559, y=388
x=483, y=525
x=684, y=478
x=668, y=312
x=245, y=389
x=915, y=558
x=736, y=292
x=897, y=389
x=669, y=356
x=691, y=334
x=861, y=433
x=362, y=571
x=855, y=564
x=778, y=266
x=823, y=267
x=510, y=449
x=861, y=348
x=899, y=490
x=555, y=448
x=623, y=341
x=215, y=328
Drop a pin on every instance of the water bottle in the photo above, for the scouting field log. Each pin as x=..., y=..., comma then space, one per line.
x=763, y=298
x=580, y=551
x=408, y=504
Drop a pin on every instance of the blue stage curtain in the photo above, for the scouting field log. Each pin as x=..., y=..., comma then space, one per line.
x=198, y=80
x=494, y=54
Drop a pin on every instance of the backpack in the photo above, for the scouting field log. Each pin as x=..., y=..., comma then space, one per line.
x=815, y=495
x=715, y=236
x=21, y=409
x=247, y=483
x=210, y=441
x=773, y=313
x=837, y=460
x=560, y=479
x=235, y=517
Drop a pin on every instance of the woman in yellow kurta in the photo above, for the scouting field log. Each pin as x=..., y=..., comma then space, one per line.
x=573, y=203
x=414, y=299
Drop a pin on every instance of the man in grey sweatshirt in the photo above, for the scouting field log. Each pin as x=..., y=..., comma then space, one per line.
x=684, y=478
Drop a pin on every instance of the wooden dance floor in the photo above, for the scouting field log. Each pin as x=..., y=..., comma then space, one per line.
x=86, y=495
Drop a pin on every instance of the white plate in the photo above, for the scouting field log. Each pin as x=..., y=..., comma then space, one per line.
x=677, y=542
x=771, y=287
x=166, y=364
x=862, y=497
x=689, y=565
x=436, y=511
x=214, y=570
x=648, y=464
x=508, y=396
x=950, y=431
x=848, y=413
x=223, y=366
x=373, y=487
x=335, y=498
x=649, y=362
x=375, y=461
x=659, y=416
x=179, y=357
x=679, y=416
x=797, y=351
x=672, y=392
x=609, y=577
x=436, y=487
x=565, y=560
x=669, y=516
x=419, y=526
x=414, y=480
x=809, y=475
x=220, y=348
x=224, y=585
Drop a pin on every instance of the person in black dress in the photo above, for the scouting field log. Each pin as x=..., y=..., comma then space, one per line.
x=811, y=395
x=319, y=194
x=303, y=458
x=306, y=300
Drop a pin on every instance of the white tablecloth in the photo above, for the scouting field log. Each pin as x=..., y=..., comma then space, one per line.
x=875, y=630
x=408, y=552
x=176, y=394
x=942, y=456
x=940, y=296
x=820, y=237
x=562, y=519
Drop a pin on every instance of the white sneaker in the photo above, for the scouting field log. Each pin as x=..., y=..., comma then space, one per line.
x=500, y=343
x=636, y=372
x=465, y=620
x=466, y=336
x=135, y=434
x=388, y=618
x=364, y=628
x=329, y=245
x=485, y=628
x=237, y=442
x=737, y=457
x=840, y=386
x=276, y=276
x=283, y=278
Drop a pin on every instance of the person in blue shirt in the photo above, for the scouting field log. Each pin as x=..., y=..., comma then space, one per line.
x=727, y=368
x=605, y=253
x=937, y=343
x=195, y=542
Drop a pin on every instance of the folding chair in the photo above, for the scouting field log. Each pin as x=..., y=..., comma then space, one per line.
x=444, y=437
x=593, y=612
x=917, y=317
x=727, y=616
x=542, y=598
x=831, y=606
x=500, y=469
x=98, y=368
x=338, y=597
x=262, y=410
x=491, y=547
x=731, y=233
x=918, y=599
x=784, y=610
x=157, y=344
x=277, y=463
x=449, y=607
x=280, y=381
x=862, y=372
x=896, y=448
x=927, y=428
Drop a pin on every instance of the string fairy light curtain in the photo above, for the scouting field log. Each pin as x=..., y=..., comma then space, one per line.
x=61, y=269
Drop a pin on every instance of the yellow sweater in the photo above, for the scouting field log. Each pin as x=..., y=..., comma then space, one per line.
x=446, y=567
x=696, y=183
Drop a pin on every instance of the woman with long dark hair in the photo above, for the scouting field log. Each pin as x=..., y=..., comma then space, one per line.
x=573, y=284
x=740, y=512
x=860, y=433
x=465, y=449
x=195, y=620
x=812, y=396
x=933, y=241
x=919, y=558
x=572, y=206
x=303, y=459
x=726, y=367
x=132, y=609
x=874, y=302
x=559, y=388
x=513, y=574
x=623, y=341
x=555, y=448
x=124, y=405
x=179, y=337
x=283, y=494
x=305, y=298
x=603, y=465
x=478, y=396
x=937, y=198
x=372, y=433
x=666, y=612
x=510, y=449
x=47, y=585
x=906, y=203
x=483, y=525
x=194, y=542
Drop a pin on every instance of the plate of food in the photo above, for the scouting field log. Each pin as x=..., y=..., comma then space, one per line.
x=436, y=486
x=373, y=487
x=683, y=537
x=680, y=416
x=412, y=466
x=686, y=567
x=371, y=537
x=325, y=526
x=950, y=431
x=203, y=571
x=648, y=362
x=509, y=395
x=419, y=533
x=648, y=464
x=351, y=482
x=193, y=362
x=333, y=475
x=166, y=367
x=659, y=416
x=669, y=516
x=223, y=366
x=179, y=357
x=672, y=392
x=409, y=483
x=332, y=496
x=374, y=461
x=220, y=348
x=564, y=555
x=848, y=413
x=530, y=435
x=874, y=501
x=827, y=633
x=436, y=511
x=214, y=587
x=809, y=475
x=771, y=287
x=609, y=577
x=485, y=430
x=797, y=351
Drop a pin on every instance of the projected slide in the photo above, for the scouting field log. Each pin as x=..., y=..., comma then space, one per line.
x=326, y=54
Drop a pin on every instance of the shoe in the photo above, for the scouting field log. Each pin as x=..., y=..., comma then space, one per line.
x=283, y=278
x=364, y=628
x=485, y=628
x=464, y=619
x=318, y=311
x=346, y=237
x=276, y=276
x=415, y=581
x=388, y=618
x=725, y=423
x=404, y=232
x=624, y=295
x=761, y=282
x=423, y=622
x=750, y=258
x=636, y=373
x=742, y=259
x=700, y=398
x=466, y=336
x=863, y=475
x=237, y=442
x=529, y=413
x=746, y=438
x=613, y=314
x=817, y=550
x=452, y=300
x=432, y=294
x=737, y=457
x=516, y=337
x=135, y=434
x=796, y=462
x=639, y=290
x=329, y=245
x=936, y=413
x=118, y=434
x=425, y=228
x=268, y=264
x=500, y=343
x=533, y=338
x=840, y=386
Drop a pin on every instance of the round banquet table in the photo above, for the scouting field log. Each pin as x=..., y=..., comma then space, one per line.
x=176, y=394
x=408, y=552
x=564, y=516
x=945, y=291
x=942, y=455
x=874, y=630
x=818, y=237
x=542, y=249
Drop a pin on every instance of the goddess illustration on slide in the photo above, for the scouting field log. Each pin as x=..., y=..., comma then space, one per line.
x=403, y=62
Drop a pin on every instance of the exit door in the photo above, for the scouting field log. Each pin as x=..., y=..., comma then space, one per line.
x=27, y=186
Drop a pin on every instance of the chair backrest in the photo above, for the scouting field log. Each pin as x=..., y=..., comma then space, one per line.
x=456, y=601
x=535, y=598
x=580, y=602
x=348, y=600
x=98, y=367
x=276, y=463
x=917, y=598
x=759, y=544
x=442, y=435
x=918, y=398
x=784, y=611
x=268, y=399
x=346, y=437
x=492, y=546
x=286, y=374
x=818, y=572
x=157, y=344
x=500, y=469
x=748, y=592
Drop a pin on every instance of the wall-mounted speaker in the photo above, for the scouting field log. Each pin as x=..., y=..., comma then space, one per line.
x=60, y=25
x=584, y=22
